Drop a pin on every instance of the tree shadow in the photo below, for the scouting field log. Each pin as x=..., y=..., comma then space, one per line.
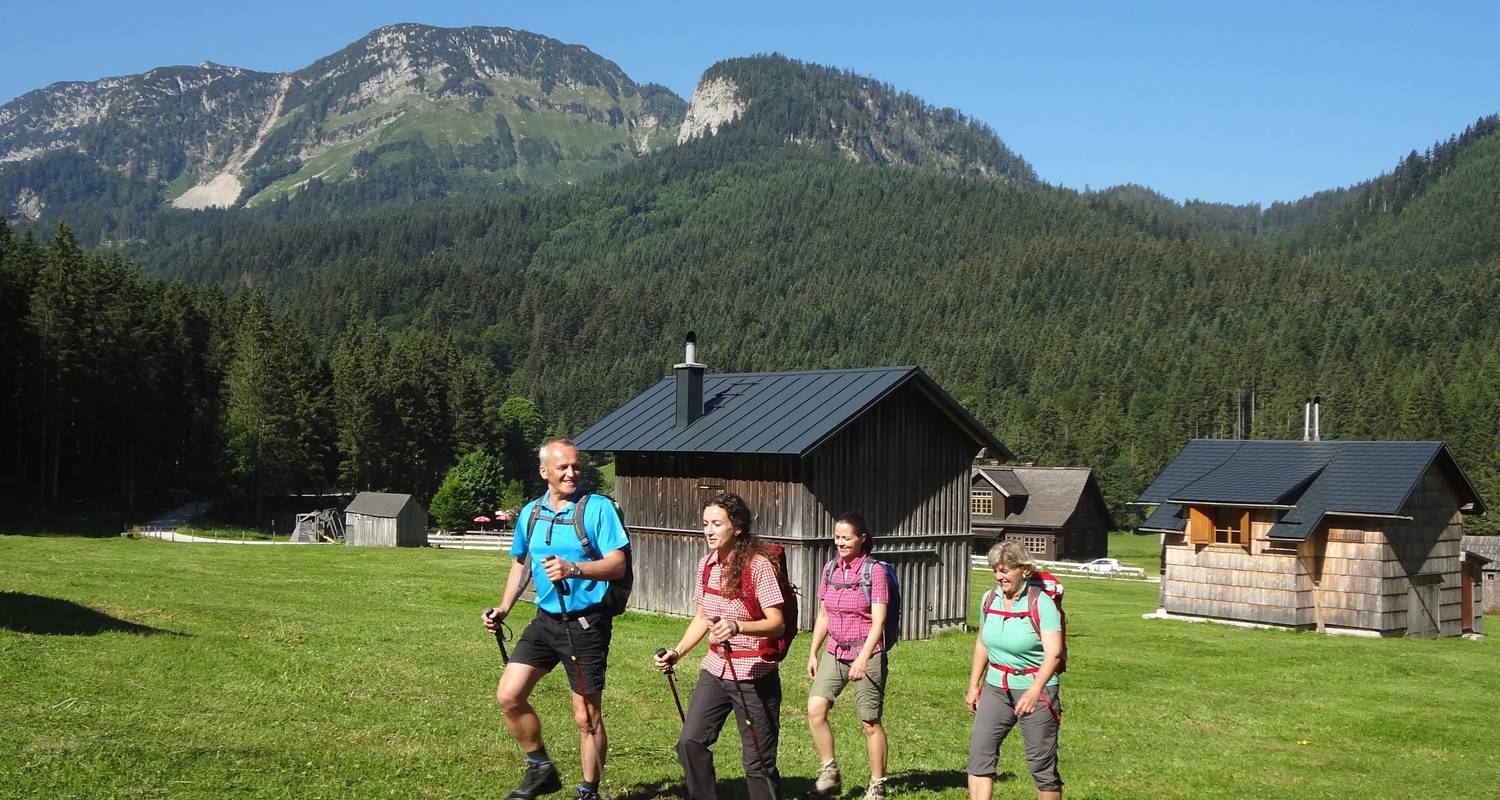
x=29, y=613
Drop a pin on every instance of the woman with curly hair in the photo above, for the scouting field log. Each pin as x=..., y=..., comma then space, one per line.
x=735, y=577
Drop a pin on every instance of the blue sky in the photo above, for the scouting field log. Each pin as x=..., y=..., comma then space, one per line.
x=1224, y=101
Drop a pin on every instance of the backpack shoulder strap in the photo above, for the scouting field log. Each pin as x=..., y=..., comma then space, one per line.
x=865, y=580
x=536, y=513
x=578, y=527
x=747, y=588
x=827, y=572
x=1033, y=597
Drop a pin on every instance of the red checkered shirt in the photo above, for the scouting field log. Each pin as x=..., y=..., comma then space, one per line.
x=763, y=577
x=849, y=618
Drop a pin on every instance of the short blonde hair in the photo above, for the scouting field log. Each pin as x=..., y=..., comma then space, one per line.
x=1011, y=553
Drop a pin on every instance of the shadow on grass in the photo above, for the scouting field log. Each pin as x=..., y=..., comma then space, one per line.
x=794, y=787
x=724, y=787
x=29, y=613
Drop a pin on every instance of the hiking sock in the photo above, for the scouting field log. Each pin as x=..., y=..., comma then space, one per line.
x=538, y=756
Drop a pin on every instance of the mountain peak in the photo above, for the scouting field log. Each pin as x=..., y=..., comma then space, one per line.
x=861, y=118
x=449, y=109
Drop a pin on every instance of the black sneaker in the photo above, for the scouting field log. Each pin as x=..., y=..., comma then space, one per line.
x=585, y=793
x=540, y=779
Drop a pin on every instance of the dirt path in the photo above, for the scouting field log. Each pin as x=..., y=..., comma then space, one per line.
x=165, y=527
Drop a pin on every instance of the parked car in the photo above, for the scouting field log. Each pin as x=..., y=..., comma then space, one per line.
x=1105, y=566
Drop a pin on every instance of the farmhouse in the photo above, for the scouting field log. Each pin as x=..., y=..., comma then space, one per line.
x=801, y=448
x=382, y=519
x=1055, y=512
x=1355, y=537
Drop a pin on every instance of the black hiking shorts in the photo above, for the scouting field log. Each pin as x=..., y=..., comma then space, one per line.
x=544, y=643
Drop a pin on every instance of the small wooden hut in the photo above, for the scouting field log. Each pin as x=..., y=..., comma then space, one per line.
x=1357, y=537
x=801, y=448
x=1054, y=512
x=382, y=519
x=1481, y=556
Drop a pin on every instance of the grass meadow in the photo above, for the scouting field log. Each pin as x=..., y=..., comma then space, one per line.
x=143, y=669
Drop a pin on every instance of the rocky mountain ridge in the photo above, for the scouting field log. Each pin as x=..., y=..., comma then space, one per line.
x=488, y=104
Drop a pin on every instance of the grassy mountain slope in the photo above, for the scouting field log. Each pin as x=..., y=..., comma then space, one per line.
x=409, y=110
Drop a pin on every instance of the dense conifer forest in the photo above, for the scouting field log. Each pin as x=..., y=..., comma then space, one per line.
x=312, y=342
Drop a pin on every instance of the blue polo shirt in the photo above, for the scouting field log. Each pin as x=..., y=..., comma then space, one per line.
x=553, y=534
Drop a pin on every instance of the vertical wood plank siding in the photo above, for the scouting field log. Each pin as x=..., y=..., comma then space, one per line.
x=1357, y=573
x=903, y=464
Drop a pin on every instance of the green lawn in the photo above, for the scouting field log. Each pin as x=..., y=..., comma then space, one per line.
x=1137, y=550
x=149, y=669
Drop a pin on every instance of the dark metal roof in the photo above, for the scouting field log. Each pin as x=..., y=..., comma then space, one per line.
x=1315, y=478
x=378, y=504
x=1275, y=473
x=1167, y=517
x=783, y=413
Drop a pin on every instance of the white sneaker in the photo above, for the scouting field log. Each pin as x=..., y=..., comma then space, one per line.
x=829, y=782
x=876, y=790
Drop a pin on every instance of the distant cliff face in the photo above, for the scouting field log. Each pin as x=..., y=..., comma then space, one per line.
x=862, y=118
x=477, y=105
x=715, y=103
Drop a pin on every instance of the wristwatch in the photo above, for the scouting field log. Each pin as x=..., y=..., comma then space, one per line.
x=576, y=571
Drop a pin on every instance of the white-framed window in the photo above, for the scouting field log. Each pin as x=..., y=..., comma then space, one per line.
x=982, y=502
x=1035, y=544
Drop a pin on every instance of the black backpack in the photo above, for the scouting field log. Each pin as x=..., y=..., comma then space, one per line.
x=618, y=596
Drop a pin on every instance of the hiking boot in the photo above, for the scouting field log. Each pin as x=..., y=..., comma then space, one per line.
x=829, y=782
x=540, y=779
x=585, y=793
x=876, y=790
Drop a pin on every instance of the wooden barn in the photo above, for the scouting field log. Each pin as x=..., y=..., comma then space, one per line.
x=1057, y=513
x=1342, y=537
x=801, y=448
x=382, y=519
x=1481, y=557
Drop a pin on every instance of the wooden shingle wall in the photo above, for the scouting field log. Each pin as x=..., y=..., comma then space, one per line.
x=1394, y=577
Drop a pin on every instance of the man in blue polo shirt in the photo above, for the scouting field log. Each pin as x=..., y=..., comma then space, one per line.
x=547, y=543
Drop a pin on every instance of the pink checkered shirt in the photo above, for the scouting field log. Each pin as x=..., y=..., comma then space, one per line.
x=763, y=577
x=848, y=612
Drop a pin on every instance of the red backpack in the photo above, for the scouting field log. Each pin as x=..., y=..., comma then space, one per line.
x=777, y=648
x=1040, y=583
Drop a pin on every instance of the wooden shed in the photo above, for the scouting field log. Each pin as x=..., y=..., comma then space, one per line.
x=382, y=519
x=1054, y=512
x=1481, y=557
x=801, y=448
x=1355, y=537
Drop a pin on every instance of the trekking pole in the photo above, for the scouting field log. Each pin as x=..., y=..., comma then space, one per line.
x=572, y=649
x=588, y=716
x=749, y=720
x=499, y=635
x=672, y=681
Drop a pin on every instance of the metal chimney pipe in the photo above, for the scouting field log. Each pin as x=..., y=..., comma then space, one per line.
x=1307, y=422
x=690, y=385
x=1317, y=419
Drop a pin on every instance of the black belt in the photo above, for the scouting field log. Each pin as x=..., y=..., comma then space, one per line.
x=591, y=611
